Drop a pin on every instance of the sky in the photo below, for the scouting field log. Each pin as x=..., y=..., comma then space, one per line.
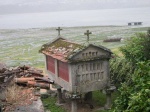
x=29, y=6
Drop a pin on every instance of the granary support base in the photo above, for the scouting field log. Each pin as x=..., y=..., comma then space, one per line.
x=108, y=100
x=59, y=94
x=109, y=91
x=74, y=105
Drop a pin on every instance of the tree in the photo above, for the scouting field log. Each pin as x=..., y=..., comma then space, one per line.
x=134, y=96
x=137, y=48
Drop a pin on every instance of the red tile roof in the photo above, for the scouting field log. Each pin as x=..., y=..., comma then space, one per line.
x=60, y=49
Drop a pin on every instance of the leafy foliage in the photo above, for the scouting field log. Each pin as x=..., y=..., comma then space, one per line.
x=49, y=104
x=137, y=48
x=121, y=71
x=134, y=94
x=135, y=97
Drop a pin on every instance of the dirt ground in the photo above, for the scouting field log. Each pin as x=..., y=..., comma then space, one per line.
x=36, y=106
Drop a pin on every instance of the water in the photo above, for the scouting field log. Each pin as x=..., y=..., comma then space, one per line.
x=76, y=18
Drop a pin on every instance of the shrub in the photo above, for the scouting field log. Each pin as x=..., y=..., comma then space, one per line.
x=137, y=48
x=135, y=97
x=121, y=71
x=134, y=94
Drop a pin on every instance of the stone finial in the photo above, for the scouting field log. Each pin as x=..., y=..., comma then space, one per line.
x=58, y=29
x=87, y=33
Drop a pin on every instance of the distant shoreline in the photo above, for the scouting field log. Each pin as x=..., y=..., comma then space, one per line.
x=105, y=17
x=140, y=26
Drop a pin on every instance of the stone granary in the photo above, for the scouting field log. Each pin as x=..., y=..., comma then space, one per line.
x=77, y=68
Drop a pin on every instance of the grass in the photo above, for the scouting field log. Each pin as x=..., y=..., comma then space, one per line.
x=49, y=104
x=117, y=52
x=99, y=98
x=21, y=46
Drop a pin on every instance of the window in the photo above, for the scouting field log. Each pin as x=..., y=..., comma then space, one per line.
x=101, y=65
x=82, y=67
x=98, y=66
x=101, y=75
x=91, y=75
x=86, y=54
x=93, y=53
x=83, y=54
x=96, y=53
x=91, y=66
x=94, y=67
x=89, y=53
x=87, y=76
x=86, y=67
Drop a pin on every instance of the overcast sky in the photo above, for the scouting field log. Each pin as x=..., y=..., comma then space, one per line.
x=29, y=6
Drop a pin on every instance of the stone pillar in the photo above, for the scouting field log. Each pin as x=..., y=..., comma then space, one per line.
x=108, y=96
x=59, y=95
x=108, y=100
x=74, y=105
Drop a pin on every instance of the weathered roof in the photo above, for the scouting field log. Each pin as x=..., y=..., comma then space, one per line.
x=65, y=50
x=60, y=49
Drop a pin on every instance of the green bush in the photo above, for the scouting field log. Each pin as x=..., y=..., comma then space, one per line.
x=135, y=89
x=121, y=70
x=135, y=97
x=137, y=48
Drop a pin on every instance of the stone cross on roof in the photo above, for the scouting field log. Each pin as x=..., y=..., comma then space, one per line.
x=58, y=29
x=87, y=33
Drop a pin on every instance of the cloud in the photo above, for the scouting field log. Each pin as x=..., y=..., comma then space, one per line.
x=21, y=6
x=40, y=2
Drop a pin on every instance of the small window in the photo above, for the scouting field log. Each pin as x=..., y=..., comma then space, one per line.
x=93, y=53
x=94, y=66
x=91, y=75
x=83, y=54
x=101, y=65
x=96, y=53
x=86, y=54
x=82, y=67
x=86, y=67
x=98, y=66
x=89, y=53
x=101, y=75
x=98, y=75
x=83, y=76
x=91, y=66
x=87, y=78
x=95, y=76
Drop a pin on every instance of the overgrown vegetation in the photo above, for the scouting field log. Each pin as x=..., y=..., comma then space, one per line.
x=49, y=104
x=121, y=71
x=134, y=74
x=137, y=48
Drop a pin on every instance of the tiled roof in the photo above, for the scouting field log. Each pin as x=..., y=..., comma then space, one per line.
x=60, y=49
x=65, y=50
